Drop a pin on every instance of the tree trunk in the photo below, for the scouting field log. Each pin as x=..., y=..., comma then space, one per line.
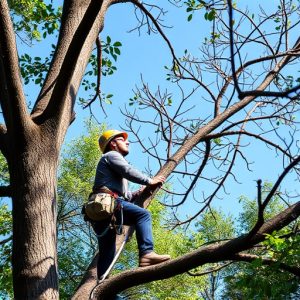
x=33, y=142
x=33, y=178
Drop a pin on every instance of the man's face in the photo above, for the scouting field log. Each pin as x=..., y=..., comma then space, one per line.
x=121, y=145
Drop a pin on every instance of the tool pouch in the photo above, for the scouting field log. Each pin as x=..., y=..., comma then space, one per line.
x=100, y=206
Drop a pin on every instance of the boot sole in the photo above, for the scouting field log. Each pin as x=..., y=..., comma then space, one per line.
x=147, y=264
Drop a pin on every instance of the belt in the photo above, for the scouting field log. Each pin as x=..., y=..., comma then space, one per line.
x=105, y=190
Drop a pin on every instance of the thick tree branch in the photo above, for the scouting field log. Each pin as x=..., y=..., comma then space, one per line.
x=208, y=254
x=81, y=24
x=88, y=281
x=72, y=15
x=12, y=97
x=64, y=89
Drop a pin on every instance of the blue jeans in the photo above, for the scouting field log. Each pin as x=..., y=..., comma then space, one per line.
x=132, y=215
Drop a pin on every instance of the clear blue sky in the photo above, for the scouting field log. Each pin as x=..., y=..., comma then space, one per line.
x=148, y=55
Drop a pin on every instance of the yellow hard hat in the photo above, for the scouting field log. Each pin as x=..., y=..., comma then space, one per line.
x=108, y=135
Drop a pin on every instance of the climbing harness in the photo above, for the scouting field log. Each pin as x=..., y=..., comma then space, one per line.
x=113, y=223
x=118, y=227
x=100, y=204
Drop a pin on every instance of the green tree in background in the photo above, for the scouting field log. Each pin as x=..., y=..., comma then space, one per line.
x=5, y=237
x=265, y=273
x=214, y=225
x=5, y=251
x=34, y=19
x=76, y=242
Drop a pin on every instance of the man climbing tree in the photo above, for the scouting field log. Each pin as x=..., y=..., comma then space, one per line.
x=112, y=174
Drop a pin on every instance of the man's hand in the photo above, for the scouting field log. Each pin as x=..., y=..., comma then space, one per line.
x=157, y=180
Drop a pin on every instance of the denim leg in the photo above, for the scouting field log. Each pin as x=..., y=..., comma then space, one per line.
x=107, y=247
x=141, y=219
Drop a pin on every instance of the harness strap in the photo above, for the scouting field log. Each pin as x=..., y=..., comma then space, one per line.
x=119, y=227
x=104, y=232
x=112, y=224
x=105, y=190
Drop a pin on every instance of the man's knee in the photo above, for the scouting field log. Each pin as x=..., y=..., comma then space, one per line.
x=146, y=215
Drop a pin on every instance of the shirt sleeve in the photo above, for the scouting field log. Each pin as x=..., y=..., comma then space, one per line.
x=120, y=165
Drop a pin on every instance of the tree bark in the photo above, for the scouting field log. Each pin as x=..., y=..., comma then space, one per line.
x=33, y=179
x=88, y=282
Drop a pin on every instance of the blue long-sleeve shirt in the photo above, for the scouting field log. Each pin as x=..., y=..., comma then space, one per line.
x=113, y=171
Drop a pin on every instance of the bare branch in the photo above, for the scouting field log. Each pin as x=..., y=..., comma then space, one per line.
x=263, y=205
x=203, y=164
x=258, y=91
x=211, y=270
x=99, y=67
x=6, y=240
x=5, y=191
x=256, y=136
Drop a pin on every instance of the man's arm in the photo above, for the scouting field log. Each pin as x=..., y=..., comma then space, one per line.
x=120, y=165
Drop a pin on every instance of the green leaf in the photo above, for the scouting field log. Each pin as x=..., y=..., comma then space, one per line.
x=218, y=141
x=257, y=263
x=117, y=51
x=211, y=15
x=117, y=44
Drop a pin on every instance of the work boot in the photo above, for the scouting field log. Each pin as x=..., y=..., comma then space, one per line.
x=152, y=258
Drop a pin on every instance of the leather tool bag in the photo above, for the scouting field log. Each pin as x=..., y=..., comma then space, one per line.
x=100, y=206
